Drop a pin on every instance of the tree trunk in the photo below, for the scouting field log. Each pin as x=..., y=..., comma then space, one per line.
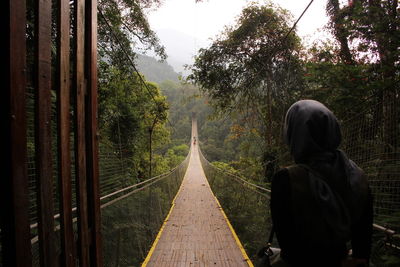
x=387, y=51
x=337, y=18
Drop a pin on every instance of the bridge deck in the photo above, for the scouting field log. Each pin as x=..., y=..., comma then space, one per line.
x=196, y=233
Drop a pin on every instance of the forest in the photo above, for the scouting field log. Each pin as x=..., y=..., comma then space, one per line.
x=239, y=90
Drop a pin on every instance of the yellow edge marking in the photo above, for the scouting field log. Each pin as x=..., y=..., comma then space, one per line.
x=244, y=254
x=246, y=257
x=146, y=261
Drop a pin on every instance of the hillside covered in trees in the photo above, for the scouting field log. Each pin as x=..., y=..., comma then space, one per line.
x=154, y=70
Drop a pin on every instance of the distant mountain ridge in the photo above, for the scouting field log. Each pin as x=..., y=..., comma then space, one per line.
x=181, y=48
x=154, y=70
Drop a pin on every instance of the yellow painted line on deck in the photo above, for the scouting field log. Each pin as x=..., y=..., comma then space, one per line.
x=146, y=261
x=245, y=256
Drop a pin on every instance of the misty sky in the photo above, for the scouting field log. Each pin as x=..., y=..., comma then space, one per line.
x=184, y=26
x=206, y=19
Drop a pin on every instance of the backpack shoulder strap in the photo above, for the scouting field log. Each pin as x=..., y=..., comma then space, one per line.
x=308, y=222
x=297, y=171
x=298, y=177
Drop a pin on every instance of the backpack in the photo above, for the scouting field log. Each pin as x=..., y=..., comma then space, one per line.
x=321, y=221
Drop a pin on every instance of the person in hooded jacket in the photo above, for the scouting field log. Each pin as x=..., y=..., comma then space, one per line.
x=322, y=205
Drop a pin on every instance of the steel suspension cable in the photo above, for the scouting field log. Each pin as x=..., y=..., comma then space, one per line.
x=146, y=184
x=264, y=192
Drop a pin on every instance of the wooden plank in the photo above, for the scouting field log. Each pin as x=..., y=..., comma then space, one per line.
x=63, y=130
x=43, y=132
x=14, y=202
x=92, y=131
x=80, y=146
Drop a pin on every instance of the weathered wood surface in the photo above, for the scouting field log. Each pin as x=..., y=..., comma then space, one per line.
x=94, y=215
x=43, y=142
x=196, y=232
x=14, y=202
x=80, y=135
x=21, y=230
x=64, y=131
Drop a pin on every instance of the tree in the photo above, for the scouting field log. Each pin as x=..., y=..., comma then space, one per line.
x=128, y=109
x=372, y=29
x=253, y=68
x=126, y=21
x=339, y=30
x=154, y=117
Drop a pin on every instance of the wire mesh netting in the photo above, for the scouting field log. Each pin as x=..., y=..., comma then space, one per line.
x=236, y=195
x=32, y=174
x=371, y=139
x=132, y=210
x=132, y=217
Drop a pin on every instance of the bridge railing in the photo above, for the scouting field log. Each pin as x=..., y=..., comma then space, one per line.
x=371, y=139
x=133, y=215
x=49, y=96
x=118, y=190
x=253, y=225
x=245, y=204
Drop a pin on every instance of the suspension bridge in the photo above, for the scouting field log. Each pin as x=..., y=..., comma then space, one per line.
x=196, y=232
x=67, y=198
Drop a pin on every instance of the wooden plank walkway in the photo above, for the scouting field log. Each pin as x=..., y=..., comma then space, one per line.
x=196, y=231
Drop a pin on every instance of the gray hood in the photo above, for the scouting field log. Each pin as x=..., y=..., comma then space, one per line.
x=311, y=130
x=313, y=134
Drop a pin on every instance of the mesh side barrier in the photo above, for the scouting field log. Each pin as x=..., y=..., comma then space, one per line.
x=371, y=139
x=131, y=219
x=235, y=196
x=114, y=173
x=32, y=174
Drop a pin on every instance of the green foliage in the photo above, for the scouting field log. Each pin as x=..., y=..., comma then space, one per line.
x=130, y=225
x=129, y=24
x=382, y=254
x=369, y=30
x=250, y=62
x=127, y=110
x=184, y=101
x=251, y=74
x=154, y=70
x=344, y=88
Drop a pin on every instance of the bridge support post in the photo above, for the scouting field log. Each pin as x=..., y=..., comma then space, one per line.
x=14, y=217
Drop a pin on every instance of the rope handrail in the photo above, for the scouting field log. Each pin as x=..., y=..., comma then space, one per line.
x=152, y=180
x=147, y=183
x=387, y=231
x=238, y=178
x=163, y=175
x=377, y=227
x=130, y=193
